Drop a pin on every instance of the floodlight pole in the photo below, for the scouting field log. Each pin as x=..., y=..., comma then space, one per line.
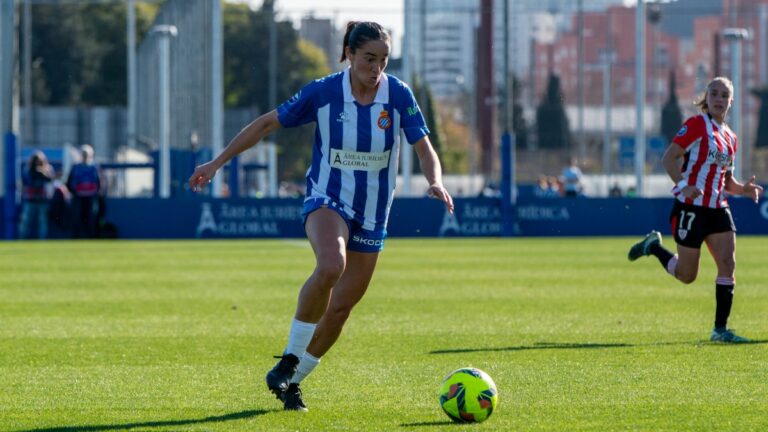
x=217, y=90
x=508, y=181
x=26, y=137
x=582, y=146
x=131, y=58
x=735, y=36
x=406, y=153
x=763, y=43
x=9, y=125
x=607, y=141
x=7, y=65
x=272, y=94
x=640, y=97
x=165, y=33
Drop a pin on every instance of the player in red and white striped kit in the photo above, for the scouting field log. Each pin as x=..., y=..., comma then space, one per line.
x=706, y=146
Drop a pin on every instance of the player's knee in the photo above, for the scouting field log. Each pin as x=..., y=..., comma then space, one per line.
x=686, y=277
x=726, y=265
x=328, y=271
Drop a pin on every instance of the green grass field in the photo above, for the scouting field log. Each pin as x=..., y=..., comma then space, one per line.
x=177, y=336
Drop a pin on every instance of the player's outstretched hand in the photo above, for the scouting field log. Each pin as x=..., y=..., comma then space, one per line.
x=438, y=192
x=202, y=176
x=752, y=190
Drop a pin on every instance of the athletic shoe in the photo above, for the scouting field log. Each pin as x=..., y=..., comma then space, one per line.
x=280, y=375
x=293, y=400
x=727, y=336
x=643, y=247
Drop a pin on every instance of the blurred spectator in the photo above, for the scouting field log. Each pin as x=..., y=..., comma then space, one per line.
x=555, y=186
x=490, y=190
x=572, y=179
x=36, y=192
x=546, y=187
x=542, y=187
x=85, y=184
x=615, y=191
x=291, y=190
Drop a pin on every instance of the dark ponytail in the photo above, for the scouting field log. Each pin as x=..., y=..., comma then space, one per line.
x=360, y=32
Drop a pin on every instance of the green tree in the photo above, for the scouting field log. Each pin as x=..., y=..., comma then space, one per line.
x=671, y=115
x=246, y=52
x=78, y=52
x=454, y=157
x=426, y=101
x=246, y=76
x=79, y=58
x=551, y=121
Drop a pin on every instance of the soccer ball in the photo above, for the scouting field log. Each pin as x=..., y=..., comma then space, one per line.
x=468, y=395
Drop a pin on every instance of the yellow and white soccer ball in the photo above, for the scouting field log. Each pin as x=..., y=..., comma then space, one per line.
x=468, y=395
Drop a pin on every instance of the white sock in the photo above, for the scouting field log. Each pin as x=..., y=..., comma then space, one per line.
x=299, y=337
x=306, y=366
x=672, y=265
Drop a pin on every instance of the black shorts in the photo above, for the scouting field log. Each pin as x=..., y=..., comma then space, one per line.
x=691, y=224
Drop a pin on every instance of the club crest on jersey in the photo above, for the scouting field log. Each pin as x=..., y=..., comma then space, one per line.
x=682, y=130
x=384, y=122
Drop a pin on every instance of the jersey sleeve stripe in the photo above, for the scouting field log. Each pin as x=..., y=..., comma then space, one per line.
x=319, y=172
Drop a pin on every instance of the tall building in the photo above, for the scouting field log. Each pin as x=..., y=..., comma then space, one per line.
x=439, y=44
x=441, y=37
x=322, y=33
x=695, y=57
x=610, y=32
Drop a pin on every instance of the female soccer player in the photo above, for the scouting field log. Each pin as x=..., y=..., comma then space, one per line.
x=350, y=185
x=700, y=214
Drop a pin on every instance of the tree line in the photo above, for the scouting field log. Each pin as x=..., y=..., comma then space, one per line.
x=78, y=54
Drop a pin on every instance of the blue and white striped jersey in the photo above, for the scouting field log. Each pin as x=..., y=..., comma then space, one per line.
x=356, y=149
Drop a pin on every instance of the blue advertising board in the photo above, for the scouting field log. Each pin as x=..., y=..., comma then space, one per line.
x=205, y=218
x=413, y=217
x=197, y=217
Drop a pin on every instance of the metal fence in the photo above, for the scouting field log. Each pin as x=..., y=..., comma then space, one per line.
x=190, y=77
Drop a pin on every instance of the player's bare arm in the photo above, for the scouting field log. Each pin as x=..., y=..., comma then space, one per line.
x=247, y=138
x=749, y=189
x=430, y=166
x=671, y=163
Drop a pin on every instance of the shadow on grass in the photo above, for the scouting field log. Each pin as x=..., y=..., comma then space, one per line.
x=434, y=423
x=536, y=346
x=126, y=426
x=566, y=345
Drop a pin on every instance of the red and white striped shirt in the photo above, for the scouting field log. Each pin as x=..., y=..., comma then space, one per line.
x=709, y=153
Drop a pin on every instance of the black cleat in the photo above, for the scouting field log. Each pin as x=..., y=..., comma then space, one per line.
x=643, y=247
x=293, y=400
x=280, y=376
